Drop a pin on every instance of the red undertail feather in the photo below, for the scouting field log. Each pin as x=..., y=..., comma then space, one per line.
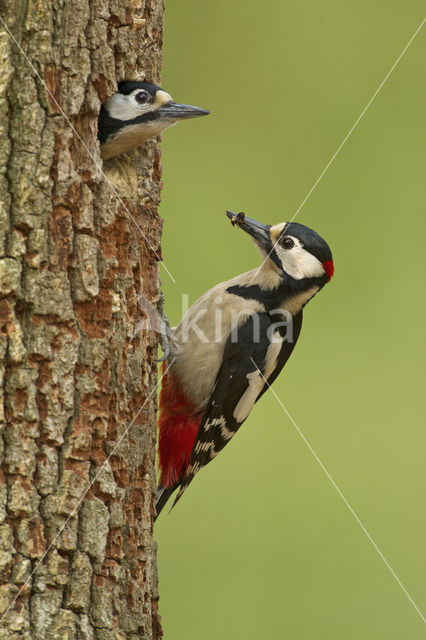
x=328, y=268
x=178, y=425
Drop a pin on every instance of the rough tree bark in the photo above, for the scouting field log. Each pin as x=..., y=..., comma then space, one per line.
x=72, y=373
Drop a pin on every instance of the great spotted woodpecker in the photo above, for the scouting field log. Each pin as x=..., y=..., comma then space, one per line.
x=137, y=112
x=234, y=337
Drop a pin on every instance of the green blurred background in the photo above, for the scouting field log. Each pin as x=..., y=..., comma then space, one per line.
x=262, y=546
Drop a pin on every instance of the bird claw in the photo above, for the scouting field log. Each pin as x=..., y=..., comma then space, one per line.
x=155, y=321
x=165, y=330
x=165, y=347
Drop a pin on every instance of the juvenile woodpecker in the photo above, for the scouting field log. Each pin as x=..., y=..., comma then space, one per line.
x=234, y=337
x=137, y=112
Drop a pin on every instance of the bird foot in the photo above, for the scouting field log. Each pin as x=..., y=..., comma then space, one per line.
x=155, y=320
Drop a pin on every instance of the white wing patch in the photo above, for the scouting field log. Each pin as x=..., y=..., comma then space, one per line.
x=271, y=358
x=256, y=381
x=248, y=399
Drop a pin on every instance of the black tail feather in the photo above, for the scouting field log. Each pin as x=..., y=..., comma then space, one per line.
x=163, y=494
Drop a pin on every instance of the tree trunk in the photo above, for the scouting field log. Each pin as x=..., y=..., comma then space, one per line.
x=78, y=247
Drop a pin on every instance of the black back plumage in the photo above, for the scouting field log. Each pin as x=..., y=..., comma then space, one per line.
x=240, y=359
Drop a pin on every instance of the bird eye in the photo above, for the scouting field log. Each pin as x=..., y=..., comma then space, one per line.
x=142, y=97
x=287, y=243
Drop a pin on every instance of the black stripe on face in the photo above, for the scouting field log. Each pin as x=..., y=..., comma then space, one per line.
x=110, y=127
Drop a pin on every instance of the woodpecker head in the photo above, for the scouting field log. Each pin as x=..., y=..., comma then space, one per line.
x=293, y=250
x=138, y=111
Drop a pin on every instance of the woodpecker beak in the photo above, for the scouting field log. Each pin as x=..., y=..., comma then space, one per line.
x=174, y=111
x=258, y=231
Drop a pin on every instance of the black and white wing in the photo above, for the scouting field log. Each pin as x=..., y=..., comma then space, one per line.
x=239, y=384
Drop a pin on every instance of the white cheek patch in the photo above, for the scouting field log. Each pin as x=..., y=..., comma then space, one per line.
x=124, y=107
x=298, y=262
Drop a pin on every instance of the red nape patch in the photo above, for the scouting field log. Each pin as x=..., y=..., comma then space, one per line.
x=328, y=268
x=178, y=425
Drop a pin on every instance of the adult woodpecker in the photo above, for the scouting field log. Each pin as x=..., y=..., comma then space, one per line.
x=137, y=112
x=234, y=337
